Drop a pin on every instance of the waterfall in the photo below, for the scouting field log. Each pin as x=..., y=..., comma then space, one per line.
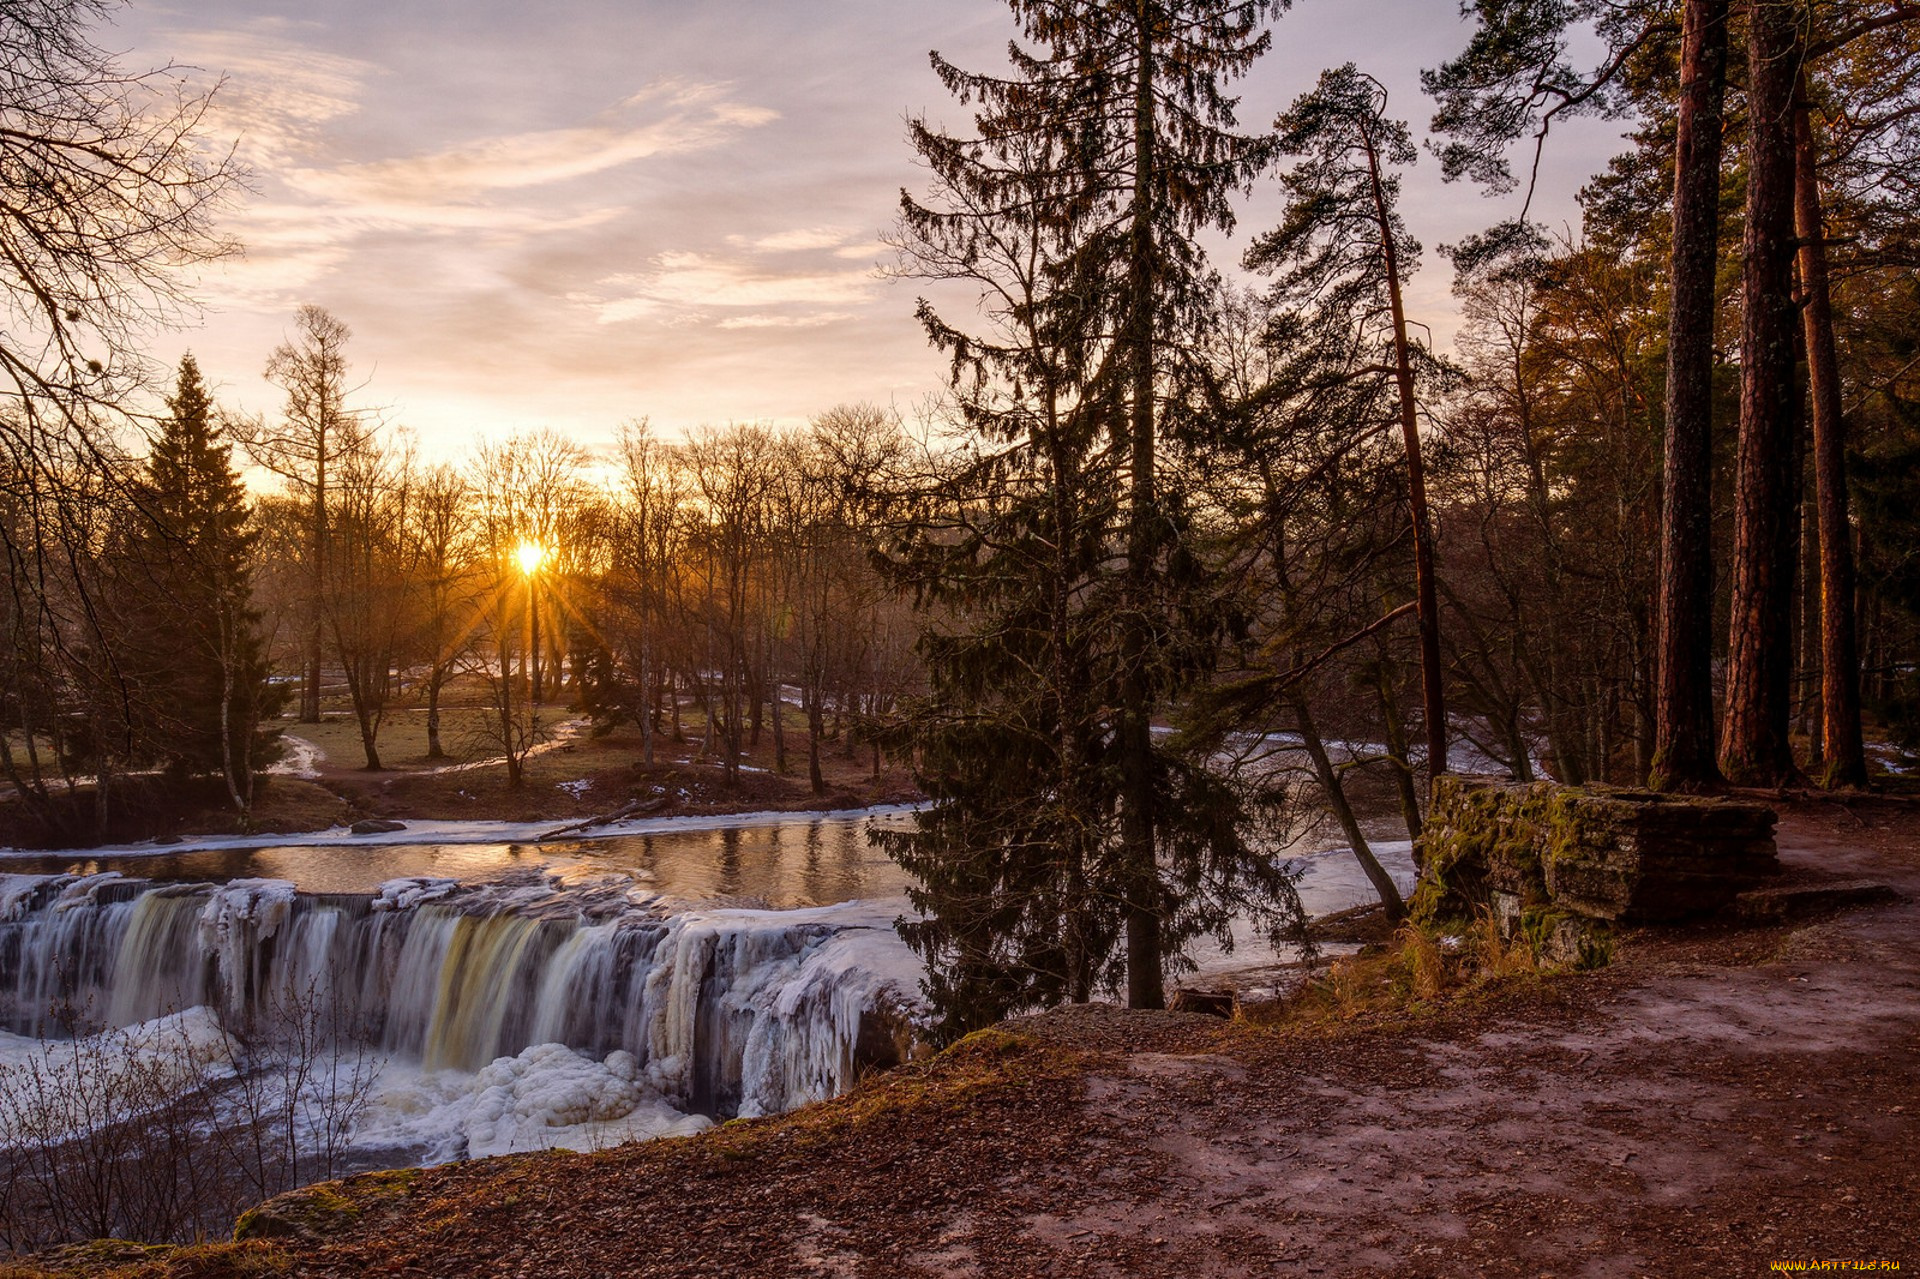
x=719, y=1012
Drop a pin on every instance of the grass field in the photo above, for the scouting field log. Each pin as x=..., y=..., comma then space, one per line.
x=402, y=739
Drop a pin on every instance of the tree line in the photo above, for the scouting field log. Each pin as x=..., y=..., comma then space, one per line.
x=726, y=573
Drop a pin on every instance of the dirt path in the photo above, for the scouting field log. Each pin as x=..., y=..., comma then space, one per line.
x=1678, y=1114
x=1709, y=1105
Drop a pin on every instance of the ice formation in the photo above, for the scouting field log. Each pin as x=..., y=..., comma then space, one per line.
x=511, y=1015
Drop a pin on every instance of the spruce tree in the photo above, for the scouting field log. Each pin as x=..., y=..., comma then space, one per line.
x=201, y=662
x=1077, y=610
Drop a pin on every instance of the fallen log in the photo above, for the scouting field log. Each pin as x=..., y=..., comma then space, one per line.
x=632, y=808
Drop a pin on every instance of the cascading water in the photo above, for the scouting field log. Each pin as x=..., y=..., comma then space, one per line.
x=711, y=1012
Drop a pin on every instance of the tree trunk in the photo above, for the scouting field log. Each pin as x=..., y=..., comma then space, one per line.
x=1806, y=600
x=1754, y=743
x=1683, y=745
x=779, y=727
x=815, y=728
x=649, y=700
x=1330, y=785
x=1145, y=981
x=1428, y=605
x=1839, y=730
x=435, y=678
x=535, y=693
x=1396, y=744
x=228, y=622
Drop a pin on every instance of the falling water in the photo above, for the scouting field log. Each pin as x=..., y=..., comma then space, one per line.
x=721, y=1011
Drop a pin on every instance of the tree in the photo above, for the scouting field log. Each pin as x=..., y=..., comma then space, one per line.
x=1343, y=247
x=372, y=577
x=651, y=521
x=1754, y=747
x=1683, y=755
x=513, y=720
x=439, y=533
x=105, y=189
x=313, y=441
x=109, y=188
x=731, y=472
x=202, y=663
x=1305, y=477
x=1072, y=610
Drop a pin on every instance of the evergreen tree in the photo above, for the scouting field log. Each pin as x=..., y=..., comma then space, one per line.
x=1343, y=251
x=1683, y=755
x=201, y=664
x=1075, y=610
x=1754, y=746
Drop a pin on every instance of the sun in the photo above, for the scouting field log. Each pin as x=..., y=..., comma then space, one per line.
x=530, y=556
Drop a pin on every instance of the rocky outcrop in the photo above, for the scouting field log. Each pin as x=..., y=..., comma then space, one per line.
x=1595, y=852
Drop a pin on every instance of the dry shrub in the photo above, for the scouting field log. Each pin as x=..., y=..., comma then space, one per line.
x=151, y=1133
x=1425, y=966
x=1494, y=954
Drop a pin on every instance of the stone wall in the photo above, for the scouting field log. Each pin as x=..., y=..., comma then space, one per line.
x=1598, y=852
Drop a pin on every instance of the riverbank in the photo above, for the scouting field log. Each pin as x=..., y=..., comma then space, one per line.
x=1718, y=1099
x=576, y=777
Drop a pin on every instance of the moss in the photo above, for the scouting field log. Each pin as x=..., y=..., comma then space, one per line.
x=326, y=1209
x=93, y=1257
x=1563, y=940
x=122, y=1259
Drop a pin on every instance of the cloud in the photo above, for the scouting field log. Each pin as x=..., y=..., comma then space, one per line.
x=812, y=321
x=274, y=93
x=666, y=119
x=697, y=282
x=796, y=240
x=321, y=203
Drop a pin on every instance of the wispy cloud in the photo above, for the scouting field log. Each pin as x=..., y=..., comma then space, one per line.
x=794, y=241
x=665, y=119
x=812, y=321
x=277, y=95
x=696, y=282
x=321, y=202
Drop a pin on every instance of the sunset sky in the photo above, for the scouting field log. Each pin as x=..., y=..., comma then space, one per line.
x=572, y=214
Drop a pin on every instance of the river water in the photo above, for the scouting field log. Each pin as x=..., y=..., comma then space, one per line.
x=513, y=993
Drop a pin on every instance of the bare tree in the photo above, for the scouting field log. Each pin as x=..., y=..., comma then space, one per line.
x=109, y=189
x=306, y=450
x=439, y=531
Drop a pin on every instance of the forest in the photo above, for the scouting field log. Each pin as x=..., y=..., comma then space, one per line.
x=1184, y=543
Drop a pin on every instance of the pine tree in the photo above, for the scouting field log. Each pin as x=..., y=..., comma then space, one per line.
x=1754, y=745
x=1343, y=249
x=203, y=669
x=1683, y=754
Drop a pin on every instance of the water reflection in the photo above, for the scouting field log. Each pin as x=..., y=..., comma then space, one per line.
x=796, y=862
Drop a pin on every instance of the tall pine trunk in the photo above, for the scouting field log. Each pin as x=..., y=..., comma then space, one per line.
x=1754, y=745
x=1428, y=606
x=1683, y=743
x=1145, y=981
x=1839, y=729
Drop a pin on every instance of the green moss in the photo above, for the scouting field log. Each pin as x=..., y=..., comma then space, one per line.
x=123, y=1259
x=325, y=1209
x=1563, y=940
